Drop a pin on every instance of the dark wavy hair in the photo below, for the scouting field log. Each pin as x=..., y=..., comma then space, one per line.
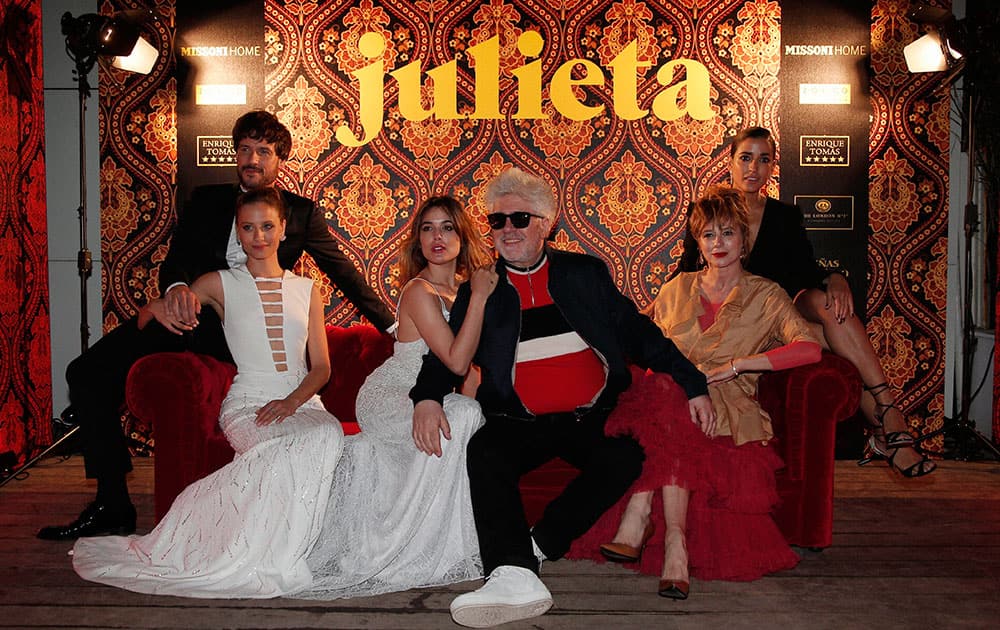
x=755, y=133
x=721, y=205
x=266, y=195
x=263, y=126
x=473, y=253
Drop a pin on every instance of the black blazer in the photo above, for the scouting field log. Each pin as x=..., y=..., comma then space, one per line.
x=584, y=292
x=782, y=252
x=202, y=234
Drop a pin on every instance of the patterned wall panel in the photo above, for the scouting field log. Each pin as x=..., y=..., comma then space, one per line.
x=25, y=369
x=908, y=217
x=622, y=183
x=138, y=148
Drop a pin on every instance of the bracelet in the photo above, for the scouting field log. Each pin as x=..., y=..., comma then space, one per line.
x=732, y=364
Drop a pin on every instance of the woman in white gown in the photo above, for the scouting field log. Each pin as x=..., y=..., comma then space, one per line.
x=245, y=530
x=400, y=516
x=285, y=518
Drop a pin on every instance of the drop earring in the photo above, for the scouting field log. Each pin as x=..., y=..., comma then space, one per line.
x=701, y=260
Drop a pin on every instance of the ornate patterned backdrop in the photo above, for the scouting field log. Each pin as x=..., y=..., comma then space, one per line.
x=138, y=138
x=622, y=184
x=908, y=217
x=25, y=371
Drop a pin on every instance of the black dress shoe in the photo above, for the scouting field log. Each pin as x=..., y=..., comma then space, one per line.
x=97, y=519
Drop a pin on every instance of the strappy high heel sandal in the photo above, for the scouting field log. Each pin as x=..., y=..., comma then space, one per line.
x=892, y=439
x=875, y=453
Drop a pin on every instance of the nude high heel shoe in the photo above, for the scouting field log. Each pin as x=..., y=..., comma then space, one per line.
x=674, y=589
x=620, y=552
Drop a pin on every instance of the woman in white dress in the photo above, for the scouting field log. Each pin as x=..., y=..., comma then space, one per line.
x=400, y=515
x=297, y=513
x=246, y=529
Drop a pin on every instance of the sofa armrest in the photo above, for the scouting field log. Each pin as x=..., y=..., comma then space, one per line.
x=807, y=400
x=179, y=395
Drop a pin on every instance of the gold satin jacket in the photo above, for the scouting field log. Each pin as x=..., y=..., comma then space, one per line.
x=756, y=316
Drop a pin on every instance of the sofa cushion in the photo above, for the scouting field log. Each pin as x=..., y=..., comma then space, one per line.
x=355, y=352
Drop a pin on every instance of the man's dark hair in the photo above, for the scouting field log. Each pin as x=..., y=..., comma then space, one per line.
x=260, y=125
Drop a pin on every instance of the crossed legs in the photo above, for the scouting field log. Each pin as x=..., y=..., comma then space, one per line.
x=849, y=339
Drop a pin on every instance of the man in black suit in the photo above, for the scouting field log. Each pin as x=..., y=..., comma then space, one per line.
x=204, y=240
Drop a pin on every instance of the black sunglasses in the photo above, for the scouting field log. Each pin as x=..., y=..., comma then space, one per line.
x=518, y=219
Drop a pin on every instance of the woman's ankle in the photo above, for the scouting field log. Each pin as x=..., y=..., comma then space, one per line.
x=675, y=557
x=633, y=522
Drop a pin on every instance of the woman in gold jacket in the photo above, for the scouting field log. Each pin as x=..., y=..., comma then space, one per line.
x=733, y=326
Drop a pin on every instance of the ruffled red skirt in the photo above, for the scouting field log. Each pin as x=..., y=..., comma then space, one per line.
x=730, y=532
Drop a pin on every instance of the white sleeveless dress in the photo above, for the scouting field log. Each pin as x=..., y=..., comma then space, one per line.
x=246, y=529
x=398, y=518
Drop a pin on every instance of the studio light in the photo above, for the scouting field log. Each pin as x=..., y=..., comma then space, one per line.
x=90, y=37
x=943, y=46
x=116, y=37
x=926, y=54
x=141, y=60
x=956, y=49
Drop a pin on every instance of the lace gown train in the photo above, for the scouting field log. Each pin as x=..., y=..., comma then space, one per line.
x=246, y=529
x=397, y=518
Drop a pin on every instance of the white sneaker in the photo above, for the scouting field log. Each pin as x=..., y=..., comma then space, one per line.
x=510, y=593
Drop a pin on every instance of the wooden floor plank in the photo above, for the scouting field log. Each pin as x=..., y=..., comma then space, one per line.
x=907, y=554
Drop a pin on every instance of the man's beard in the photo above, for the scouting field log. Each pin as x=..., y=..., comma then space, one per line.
x=260, y=177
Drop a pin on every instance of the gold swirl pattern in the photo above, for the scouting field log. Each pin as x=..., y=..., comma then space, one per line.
x=892, y=186
x=622, y=185
x=301, y=111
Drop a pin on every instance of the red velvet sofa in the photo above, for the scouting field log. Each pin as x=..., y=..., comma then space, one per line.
x=180, y=394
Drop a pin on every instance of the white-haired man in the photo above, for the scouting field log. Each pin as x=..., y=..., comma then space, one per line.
x=554, y=352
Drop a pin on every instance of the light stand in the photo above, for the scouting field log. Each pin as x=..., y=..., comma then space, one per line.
x=961, y=431
x=84, y=58
x=88, y=37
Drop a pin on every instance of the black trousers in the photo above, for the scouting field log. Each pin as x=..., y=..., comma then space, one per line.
x=504, y=449
x=96, y=382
